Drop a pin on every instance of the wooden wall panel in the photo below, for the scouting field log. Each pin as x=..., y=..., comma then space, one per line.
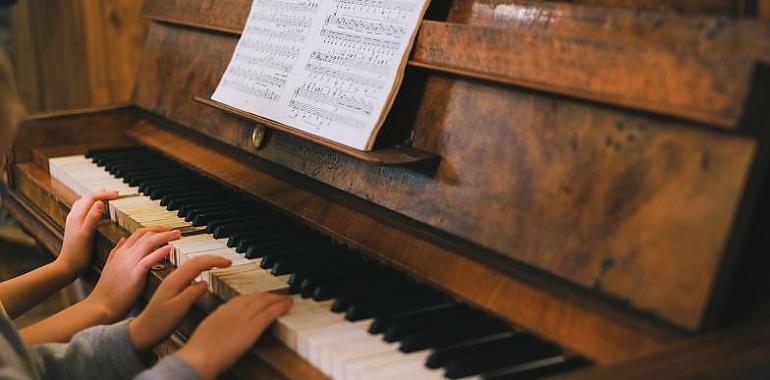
x=79, y=53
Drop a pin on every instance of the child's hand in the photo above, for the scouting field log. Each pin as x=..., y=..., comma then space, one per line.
x=125, y=273
x=238, y=323
x=79, y=231
x=170, y=303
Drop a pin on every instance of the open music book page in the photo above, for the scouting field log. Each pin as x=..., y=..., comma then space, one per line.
x=331, y=68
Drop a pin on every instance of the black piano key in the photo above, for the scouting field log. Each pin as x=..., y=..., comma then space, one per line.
x=242, y=209
x=292, y=265
x=381, y=324
x=258, y=244
x=146, y=187
x=330, y=270
x=442, y=356
x=123, y=154
x=132, y=162
x=143, y=175
x=394, y=305
x=132, y=150
x=137, y=180
x=135, y=170
x=177, y=188
x=343, y=301
x=254, y=226
x=250, y=246
x=298, y=254
x=337, y=272
x=175, y=203
x=527, y=348
x=330, y=289
x=213, y=225
x=104, y=160
x=256, y=234
x=398, y=331
x=261, y=247
x=538, y=369
x=178, y=191
x=200, y=206
x=448, y=335
x=204, y=218
x=243, y=222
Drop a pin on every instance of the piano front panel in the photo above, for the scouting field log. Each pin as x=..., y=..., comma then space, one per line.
x=331, y=335
x=578, y=322
x=558, y=184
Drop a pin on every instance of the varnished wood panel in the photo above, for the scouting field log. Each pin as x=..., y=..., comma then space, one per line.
x=574, y=321
x=580, y=181
x=709, y=36
x=230, y=16
x=739, y=352
x=710, y=89
x=91, y=126
x=682, y=66
x=735, y=353
x=76, y=53
x=714, y=7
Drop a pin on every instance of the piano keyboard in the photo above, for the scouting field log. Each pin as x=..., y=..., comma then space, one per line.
x=353, y=317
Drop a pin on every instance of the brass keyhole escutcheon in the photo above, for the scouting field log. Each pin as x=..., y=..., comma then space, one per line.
x=257, y=136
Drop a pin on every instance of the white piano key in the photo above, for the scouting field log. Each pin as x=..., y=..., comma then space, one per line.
x=412, y=365
x=355, y=369
x=336, y=357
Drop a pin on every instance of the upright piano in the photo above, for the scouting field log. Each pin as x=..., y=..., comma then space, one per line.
x=559, y=190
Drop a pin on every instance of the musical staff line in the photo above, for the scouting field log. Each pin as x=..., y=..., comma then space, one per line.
x=324, y=67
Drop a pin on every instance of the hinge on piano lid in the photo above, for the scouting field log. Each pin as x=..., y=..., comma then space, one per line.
x=257, y=136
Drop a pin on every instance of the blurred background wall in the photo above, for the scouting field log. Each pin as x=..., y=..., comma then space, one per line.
x=75, y=53
x=67, y=54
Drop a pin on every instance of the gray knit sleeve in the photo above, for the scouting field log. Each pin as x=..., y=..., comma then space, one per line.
x=101, y=352
x=171, y=367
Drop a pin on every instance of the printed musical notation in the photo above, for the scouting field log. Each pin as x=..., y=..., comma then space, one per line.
x=328, y=67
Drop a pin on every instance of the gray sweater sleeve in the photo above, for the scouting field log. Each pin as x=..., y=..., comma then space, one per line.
x=103, y=352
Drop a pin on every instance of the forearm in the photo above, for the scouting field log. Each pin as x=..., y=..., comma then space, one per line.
x=21, y=293
x=61, y=326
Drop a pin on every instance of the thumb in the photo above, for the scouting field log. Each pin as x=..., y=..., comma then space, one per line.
x=94, y=216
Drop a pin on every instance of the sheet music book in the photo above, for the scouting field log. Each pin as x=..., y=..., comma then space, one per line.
x=331, y=68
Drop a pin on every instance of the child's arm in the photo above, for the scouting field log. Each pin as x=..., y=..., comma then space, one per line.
x=110, y=352
x=21, y=293
x=238, y=323
x=123, y=278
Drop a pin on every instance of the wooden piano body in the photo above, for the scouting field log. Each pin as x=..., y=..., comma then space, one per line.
x=601, y=177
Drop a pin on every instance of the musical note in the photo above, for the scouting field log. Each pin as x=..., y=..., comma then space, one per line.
x=325, y=67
